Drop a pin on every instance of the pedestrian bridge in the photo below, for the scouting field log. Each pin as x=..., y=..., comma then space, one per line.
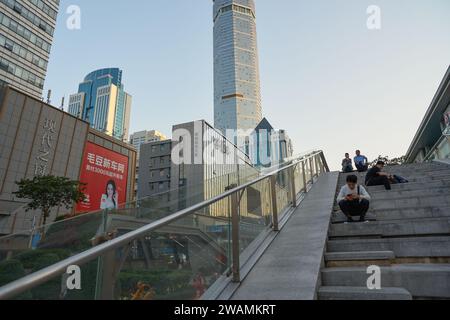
x=278, y=236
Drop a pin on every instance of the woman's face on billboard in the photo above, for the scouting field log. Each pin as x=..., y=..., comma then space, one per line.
x=110, y=190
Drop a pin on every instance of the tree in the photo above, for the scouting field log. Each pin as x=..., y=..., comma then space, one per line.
x=390, y=162
x=48, y=192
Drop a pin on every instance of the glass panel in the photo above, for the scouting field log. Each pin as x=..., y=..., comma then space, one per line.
x=299, y=183
x=255, y=212
x=283, y=194
x=178, y=261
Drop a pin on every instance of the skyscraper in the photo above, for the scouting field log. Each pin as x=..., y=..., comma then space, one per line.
x=102, y=101
x=26, y=36
x=237, y=93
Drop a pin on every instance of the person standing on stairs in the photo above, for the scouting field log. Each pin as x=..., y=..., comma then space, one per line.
x=376, y=177
x=354, y=200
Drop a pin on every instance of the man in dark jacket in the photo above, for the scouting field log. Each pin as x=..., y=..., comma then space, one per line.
x=376, y=177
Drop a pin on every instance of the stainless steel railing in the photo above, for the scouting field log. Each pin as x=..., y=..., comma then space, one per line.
x=315, y=162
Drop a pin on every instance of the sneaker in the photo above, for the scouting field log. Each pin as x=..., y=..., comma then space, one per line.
x=349, y=220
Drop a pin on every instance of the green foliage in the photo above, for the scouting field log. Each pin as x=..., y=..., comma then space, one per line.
x=74, y=234
x=10, y=271
x=47, y=192
x=389, y=162
x=30, y=258
x=52, y=288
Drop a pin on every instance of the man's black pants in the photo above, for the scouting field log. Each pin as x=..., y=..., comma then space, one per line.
x=355, y=208
x=379, y=181
x=361, y=167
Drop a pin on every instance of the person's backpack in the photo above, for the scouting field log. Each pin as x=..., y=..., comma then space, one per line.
x=400, y=179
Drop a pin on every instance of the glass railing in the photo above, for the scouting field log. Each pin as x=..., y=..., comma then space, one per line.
x=175, y=247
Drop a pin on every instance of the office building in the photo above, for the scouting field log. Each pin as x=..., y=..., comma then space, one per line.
x=102, y=101
x=208, y=165
x=155, y=167
x=432, y=140
x=142, y=137
x=37, y=139
x=26, y=36
x=237, y=93
x=268, y=147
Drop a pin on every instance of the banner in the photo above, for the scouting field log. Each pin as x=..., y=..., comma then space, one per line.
x=106, y=174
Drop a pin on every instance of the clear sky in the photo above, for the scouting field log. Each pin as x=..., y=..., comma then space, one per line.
x=326, y=78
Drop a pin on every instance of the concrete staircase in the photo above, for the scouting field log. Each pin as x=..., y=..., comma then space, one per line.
x=408, y=237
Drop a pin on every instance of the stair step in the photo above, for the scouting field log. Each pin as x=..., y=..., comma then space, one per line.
x=401, y=194
x=415, y=202
x=413, y=247
x=421, y=280
x=359, y=256
x=398, y=214
x=363, y=293
x=407, y=227
x=411, y=186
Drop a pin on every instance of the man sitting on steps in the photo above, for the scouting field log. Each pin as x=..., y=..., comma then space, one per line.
x=347, y=165
x=354, y=200
x=361, y=162
x=375, y=177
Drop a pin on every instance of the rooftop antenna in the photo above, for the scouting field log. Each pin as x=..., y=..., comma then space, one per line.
x=49, y=96
x=62, y=104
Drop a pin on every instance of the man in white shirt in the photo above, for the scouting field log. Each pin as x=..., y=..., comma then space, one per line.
x=354, y=200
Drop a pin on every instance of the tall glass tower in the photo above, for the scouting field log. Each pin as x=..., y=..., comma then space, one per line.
x=26, y=36
x=237, y=93
x=102, y=101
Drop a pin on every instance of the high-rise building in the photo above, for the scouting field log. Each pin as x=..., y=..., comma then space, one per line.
x=102, y=101
x=237, y=93
x=142, y=137
x=26, y=36
x=269, y=147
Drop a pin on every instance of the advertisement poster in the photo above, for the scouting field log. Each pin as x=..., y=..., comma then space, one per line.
x=105, y=172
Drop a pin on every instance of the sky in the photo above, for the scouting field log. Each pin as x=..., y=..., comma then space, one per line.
x=327, y=79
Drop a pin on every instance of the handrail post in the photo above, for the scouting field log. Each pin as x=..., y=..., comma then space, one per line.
x=305, y=183
x=322, y=167
x=235, y=247
x=273, y=193
x=316, y=159
x=294, y=192
x=311, y=167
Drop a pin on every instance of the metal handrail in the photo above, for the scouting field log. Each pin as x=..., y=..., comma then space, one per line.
x=35, y=279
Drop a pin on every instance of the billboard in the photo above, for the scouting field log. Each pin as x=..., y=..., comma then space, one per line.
x=106, y=174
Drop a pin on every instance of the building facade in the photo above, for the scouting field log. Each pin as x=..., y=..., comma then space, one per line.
x=102, y=101
x=26, y=36
x=155, y=167
x=432, y=140
x=268, y=147
x=37, y=139
x=237, y=93
x=208, y=164
x=142, y=137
